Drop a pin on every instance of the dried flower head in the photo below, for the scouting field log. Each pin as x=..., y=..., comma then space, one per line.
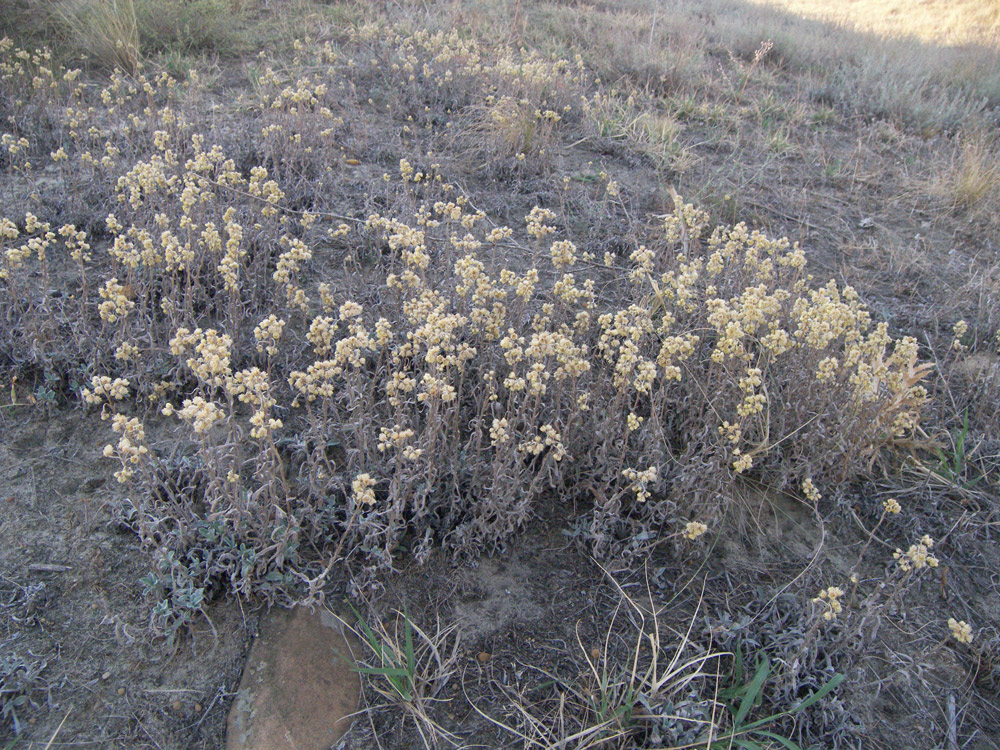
x=961, y=631
x=830, y=598
x=363, y=488
x=694, y=529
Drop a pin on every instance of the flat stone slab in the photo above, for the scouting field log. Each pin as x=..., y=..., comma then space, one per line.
x=298, y=688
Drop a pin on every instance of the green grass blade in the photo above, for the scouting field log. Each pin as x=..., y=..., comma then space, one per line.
x=369, y=634
x=819, y=694
x=735, y=676
x=783, y=741
x=753, y=692
x=383, y=671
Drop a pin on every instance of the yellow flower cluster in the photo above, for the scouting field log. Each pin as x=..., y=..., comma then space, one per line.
x=640, y=481
x=253, y=387
x=809, y=490
x=694, y=529
x=687, y=221
x=350, y=310
x=289, y=263
x=267, y=333
x=917, y=556
x=393, y=436
x=961, y=631
x=117, y=304
x=563, y=253
x=260, y=186
x=321, y=332
x=76, y=242
x=212, y=352
x=318, y=379
x=620, y=343
x=130, y=448
x=499, y=432
x=959, y=330
x=102, y=386
x=549, y=437
x=830, y=597
x=536, y=221
x=229, y=266
x=203, y=415
x=363, y=487
x=126, y=351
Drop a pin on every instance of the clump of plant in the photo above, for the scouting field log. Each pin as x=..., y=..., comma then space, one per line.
x=188, y=25
x=442, y=73
x=478, y=371
x=643, y=685
x=783, y=657
x=654, y=687
x=106, y=31
x=742, y=696
x=444, y=411
x=122, y=33
x=757, y=372
x=20, y=683
x=510, y=134
x=35, y=88
x=975, y=173
x=408, y=666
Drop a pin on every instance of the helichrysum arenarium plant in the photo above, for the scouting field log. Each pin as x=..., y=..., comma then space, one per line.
x=439, y=403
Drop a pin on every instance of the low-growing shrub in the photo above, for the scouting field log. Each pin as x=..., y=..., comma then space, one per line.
x=450, y=377
x=21, y=684
x=447, y=408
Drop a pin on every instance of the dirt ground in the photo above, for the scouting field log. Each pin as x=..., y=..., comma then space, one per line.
x=71, y=606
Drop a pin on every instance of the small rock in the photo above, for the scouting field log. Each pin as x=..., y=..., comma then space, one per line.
x=299, y=687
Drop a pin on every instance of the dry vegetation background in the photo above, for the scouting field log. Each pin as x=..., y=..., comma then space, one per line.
x=673, y=324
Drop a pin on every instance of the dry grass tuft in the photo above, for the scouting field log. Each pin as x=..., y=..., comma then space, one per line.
x=408, y=667
x=105, y=30
x=974, y=180
x=120, y=33
x=641, y=683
